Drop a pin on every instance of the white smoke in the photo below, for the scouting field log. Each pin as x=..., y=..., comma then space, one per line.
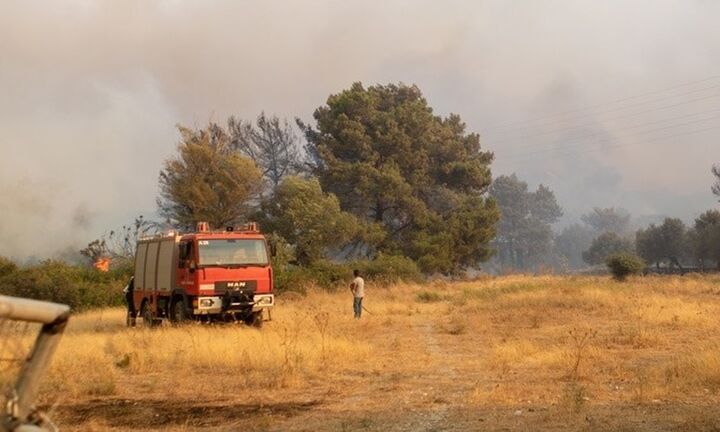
x=90, y=92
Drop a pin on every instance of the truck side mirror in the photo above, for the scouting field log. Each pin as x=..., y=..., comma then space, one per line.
x=192, y=266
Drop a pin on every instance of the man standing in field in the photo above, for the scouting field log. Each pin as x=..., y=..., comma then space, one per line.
x=358, y=289
x=128, y=291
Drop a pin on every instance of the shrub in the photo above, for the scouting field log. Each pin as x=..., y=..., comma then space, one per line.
x=329, y=275
x=389, y=269
x=623, y=265
x=56, y=281
x=6, y=267
x=324, y=274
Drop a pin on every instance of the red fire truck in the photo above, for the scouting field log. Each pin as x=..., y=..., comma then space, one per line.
x=205, y=275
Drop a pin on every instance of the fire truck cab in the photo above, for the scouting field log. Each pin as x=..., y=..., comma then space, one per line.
x=205, y=275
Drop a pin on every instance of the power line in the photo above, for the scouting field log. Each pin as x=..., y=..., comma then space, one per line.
x=616, y=101
x=559, y=145
x=587, y=125
x=597, y=113
x=606, y=147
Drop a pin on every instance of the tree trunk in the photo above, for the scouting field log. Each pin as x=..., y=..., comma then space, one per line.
x=676, y=262
x=379, y=211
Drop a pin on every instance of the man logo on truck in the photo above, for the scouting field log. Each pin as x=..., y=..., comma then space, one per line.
x=190, y=276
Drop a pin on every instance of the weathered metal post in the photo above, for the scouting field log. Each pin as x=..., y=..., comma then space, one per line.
x=21, y=413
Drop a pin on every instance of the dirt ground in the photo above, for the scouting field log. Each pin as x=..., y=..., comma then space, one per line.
x=501, y=355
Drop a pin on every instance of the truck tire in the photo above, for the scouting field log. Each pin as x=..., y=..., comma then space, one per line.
x=130, y=319
x=255, y=319
x=147, y=316
x=178, y=315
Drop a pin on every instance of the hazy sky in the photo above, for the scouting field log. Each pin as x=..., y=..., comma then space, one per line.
x=613, y=103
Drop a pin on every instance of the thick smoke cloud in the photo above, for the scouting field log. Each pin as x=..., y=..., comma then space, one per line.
x=90, y=93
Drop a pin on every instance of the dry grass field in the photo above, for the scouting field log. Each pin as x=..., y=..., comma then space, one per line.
x=509, y=353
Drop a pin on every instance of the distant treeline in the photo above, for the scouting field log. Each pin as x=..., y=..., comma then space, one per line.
x=526, y=241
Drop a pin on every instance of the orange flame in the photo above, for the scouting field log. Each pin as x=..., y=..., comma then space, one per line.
x=102, y=264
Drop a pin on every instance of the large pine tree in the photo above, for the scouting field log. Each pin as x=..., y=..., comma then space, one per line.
x=417, y=176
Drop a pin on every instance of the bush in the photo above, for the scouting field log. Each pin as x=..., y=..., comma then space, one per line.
x=384, y=269
x=76, y=286
x=324, y=274
x=388, y=269
x=623, y=265
x=6, y=267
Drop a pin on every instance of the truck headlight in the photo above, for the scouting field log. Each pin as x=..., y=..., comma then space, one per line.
x=264, y=300
x=206, y=302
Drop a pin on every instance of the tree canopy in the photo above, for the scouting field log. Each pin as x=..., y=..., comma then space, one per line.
x=308, y=218
x=418, y=176
x=524, y=232
x=610, y=219
x=705, y=238
x=572, y=241
x=271, y=143
x=664, y=242
x=606, y=245
x=206, y=181
x=648, y=244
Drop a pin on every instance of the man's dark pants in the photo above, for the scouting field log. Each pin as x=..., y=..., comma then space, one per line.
x=357, y=306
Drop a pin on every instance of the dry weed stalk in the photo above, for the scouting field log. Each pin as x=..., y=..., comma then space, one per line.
x=322, y=322
x=580, y=340
x=289, y=337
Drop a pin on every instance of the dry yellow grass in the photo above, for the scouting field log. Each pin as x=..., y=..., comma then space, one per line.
x=508, y=353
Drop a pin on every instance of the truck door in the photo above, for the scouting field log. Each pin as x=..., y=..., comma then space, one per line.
x=186, y=255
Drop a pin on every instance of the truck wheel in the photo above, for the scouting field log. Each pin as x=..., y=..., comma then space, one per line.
x=255, y=319
x=179, y=314
x=147, y=316
x=130, y=319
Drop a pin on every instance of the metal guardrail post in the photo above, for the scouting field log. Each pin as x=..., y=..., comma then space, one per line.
x=54, y=318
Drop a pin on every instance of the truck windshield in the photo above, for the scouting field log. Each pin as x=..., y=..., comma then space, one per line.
x=227, y=252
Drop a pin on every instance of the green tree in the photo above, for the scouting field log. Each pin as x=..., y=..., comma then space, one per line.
x=605, y=245
x=674, y=240
x=704, y=238
x=392, y=162
x=524, y=234
x=610, y=219
x=309, y=219
x=668, y=241
x=459, y=240
x=648, y=243
x=572, y=241
x=207, y=181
